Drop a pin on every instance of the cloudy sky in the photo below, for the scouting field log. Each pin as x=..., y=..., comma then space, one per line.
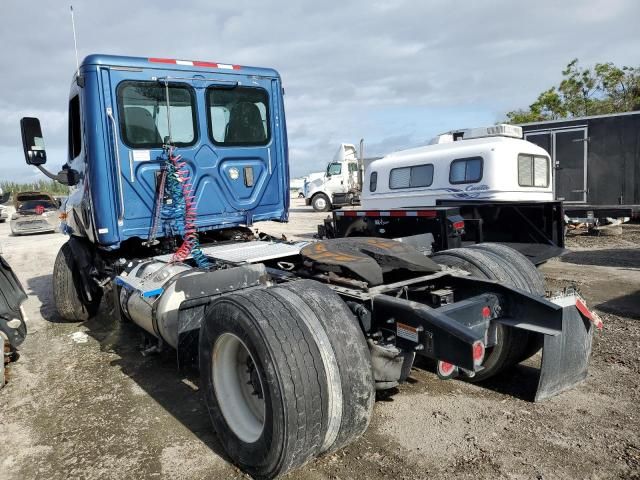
x=395, y=72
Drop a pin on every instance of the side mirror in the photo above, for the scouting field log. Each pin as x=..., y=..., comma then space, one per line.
x=32, y=141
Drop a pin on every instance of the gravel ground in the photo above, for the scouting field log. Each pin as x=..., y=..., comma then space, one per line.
x=84, y=403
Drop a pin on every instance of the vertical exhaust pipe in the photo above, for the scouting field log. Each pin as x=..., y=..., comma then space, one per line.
x=361, y=167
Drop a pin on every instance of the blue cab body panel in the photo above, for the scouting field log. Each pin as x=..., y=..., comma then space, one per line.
x=114, y=200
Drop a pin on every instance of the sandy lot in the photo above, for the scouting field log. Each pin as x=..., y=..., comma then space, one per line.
x=83, y=402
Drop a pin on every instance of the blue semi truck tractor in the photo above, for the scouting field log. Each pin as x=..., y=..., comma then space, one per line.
x=169, y=164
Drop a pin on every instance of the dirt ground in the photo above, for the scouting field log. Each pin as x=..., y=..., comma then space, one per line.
x=83, y=402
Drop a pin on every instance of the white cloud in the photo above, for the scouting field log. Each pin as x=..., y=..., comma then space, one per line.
x=395, y=72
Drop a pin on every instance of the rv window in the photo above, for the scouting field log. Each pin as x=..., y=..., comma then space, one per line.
x=75, y=138
x=334, y=169
x=373, y=181
x=142, y=108
x=466, y=170
x=411, y=177
x=238, y=116
x=533, y=170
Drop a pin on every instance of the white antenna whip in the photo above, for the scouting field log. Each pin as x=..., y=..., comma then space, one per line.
x=75, y=41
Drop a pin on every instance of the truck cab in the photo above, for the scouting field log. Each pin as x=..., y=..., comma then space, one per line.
x=225, y=121
x=339, y=185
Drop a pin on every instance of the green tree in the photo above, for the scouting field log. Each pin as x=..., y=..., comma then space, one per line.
x=42, y=185
x=602, y=89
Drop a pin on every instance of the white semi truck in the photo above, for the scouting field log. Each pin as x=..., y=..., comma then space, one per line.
x=340, y=184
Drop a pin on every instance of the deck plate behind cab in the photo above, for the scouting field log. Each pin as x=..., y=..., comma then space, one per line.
x=366, y=257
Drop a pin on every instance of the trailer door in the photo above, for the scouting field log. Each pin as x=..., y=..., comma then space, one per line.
x=570, y=156
x=568, y=150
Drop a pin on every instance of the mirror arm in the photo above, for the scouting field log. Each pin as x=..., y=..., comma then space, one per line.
x=60, y=177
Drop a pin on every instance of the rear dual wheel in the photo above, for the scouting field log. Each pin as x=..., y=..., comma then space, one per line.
x=499, y=262
x=286, y=374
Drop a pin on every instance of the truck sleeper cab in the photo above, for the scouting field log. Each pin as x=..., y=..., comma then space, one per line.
x=497, y=166
x=292, y=339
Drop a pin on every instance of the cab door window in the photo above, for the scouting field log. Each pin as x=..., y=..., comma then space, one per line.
x=334, y=169
x=75, y=131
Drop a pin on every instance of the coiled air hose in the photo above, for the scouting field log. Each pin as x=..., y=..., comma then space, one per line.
x=182, y=209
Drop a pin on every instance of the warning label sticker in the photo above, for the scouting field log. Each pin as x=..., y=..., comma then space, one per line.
x=407, y=332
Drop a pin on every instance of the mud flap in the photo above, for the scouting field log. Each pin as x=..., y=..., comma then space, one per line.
x=565, y=356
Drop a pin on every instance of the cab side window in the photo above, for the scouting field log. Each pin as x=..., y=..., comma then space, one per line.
x=533, y=170
x=466, y=170
x=373, y=181
x=411, y=177
x=75, y=131
x=334, y=169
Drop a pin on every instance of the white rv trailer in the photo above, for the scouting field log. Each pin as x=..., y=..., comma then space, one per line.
x=489, y=163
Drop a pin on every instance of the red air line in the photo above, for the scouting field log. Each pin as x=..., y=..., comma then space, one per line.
x=189, y=206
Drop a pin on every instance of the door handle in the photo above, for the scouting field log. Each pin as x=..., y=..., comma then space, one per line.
x=117, y=150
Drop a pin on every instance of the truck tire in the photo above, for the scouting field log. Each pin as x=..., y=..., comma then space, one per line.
x=271, y=378
x=511, y=342
x=321, y=203
x=315, y=301
x=535, y=278
x=66, y=289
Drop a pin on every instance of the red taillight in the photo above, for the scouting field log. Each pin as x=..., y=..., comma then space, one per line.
x=446, y=370
x=478, y=352
x=486, y=312
x=458, y=225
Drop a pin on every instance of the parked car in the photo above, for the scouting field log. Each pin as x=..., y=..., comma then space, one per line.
x=4, y=214
x=36, y=212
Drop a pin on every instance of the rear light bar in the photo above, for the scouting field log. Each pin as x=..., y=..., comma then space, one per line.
x=386, y=213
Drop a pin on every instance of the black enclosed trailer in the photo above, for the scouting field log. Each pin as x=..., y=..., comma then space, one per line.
x=597, y=161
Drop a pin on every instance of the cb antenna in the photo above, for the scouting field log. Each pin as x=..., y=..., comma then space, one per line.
x=75, y=41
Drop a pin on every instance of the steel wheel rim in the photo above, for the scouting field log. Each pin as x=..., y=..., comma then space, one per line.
x=321, y=203
x=238, y=387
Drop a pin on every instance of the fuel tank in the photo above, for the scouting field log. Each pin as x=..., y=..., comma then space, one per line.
x=153, y=291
